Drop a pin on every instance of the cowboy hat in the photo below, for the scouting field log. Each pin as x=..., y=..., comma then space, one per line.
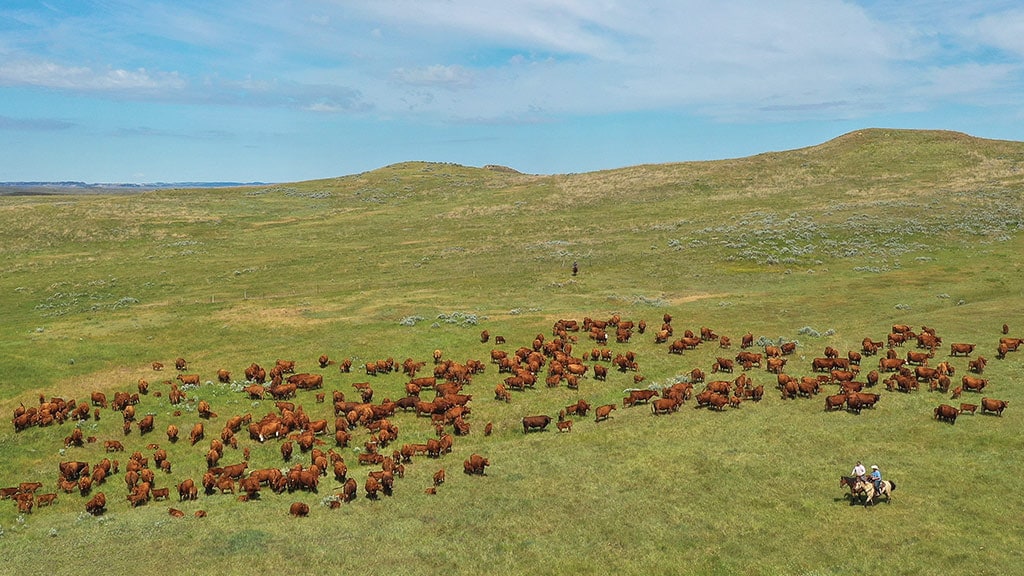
x=873, y=467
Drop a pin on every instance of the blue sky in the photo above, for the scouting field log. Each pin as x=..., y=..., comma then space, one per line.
x=130, y=91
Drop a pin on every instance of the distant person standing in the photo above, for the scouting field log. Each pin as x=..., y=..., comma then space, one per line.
x=575, y=268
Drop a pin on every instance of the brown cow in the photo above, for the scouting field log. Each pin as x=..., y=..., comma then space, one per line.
x=718, y=401
x=956, y=349
x=968, y=408
x=187, y=490
x=99, y=399
x=97, y=505
x=946, y=413
x=475, y=464
x=146, y=424
x=603, y=412
x=971, y=383
x=993, y=405
x=665, y=405
x=299, y=509
x=639, y=397
x=306, y=381
x=204, y=410
x=192, y=379
x=535, y=422
x=197, y=433
x=834, y=402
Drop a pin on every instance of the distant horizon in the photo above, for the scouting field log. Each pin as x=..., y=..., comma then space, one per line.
x=229, y=183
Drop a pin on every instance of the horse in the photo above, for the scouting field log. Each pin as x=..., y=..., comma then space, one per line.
x=869, y=489
x=851, y=482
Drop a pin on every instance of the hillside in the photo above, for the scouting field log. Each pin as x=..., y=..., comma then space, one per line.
x=821, y=246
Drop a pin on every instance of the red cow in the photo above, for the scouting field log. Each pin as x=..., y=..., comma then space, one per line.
x=146, y=424
x=834, y=402
x=475, y=464
x=993, y=405
x=299, y=509
x=197, y=433
x=665, y=405
x=535, y=422
x=946, y=413
x=960, y=348
x=972, y=383
x=97, y=504
x=603, y=412
x=306, y=381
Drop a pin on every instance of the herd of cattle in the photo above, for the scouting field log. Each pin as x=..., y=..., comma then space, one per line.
x=308, y=429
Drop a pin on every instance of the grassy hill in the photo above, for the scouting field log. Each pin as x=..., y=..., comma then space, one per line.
x=824, y=246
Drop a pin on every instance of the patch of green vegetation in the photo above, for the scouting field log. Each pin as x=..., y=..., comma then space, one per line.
x=823, y=246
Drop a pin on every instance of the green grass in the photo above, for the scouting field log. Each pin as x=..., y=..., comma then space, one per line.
x=874, y=228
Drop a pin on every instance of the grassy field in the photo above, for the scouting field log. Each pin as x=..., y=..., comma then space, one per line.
x=823, y=246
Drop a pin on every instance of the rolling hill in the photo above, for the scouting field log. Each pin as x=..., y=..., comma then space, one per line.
x=822, y=246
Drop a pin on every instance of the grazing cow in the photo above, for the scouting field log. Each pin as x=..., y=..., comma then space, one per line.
x=371, y=487
x=993, y=405
x=564, y=425
x=535, y=422
x=834, y=402
x=956, y=349
x=187, y=490
x=192, y=379
x=718, y=401
x=45, y=499
x=665, y=405
x=99, y=399
x=973, y=384
x=475, y=464
x=439, y=477
x=890, y=364
x=299, y=509
x=639, y=397
x=603, y=412
x=180, y=364
x=822, y=364
x=204, y=410
x=146, y=424
x=946, y=413
x=97, y=505
x=918, y=358
x=977, y=365
x=306, y=381
x=223, y=376
x=172, y=433
x=197, y=433
x=968, y=408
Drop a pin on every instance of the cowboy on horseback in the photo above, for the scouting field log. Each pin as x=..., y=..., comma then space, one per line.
x=876, y=478
x=859, y=473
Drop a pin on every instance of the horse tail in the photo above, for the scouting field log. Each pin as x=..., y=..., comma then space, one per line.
x=892, y=486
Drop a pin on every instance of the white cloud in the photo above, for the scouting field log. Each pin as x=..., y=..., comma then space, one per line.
x=437, y=75
x=82, y=78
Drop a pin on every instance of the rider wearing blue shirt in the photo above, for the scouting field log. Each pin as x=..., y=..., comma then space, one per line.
x=876, y=477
